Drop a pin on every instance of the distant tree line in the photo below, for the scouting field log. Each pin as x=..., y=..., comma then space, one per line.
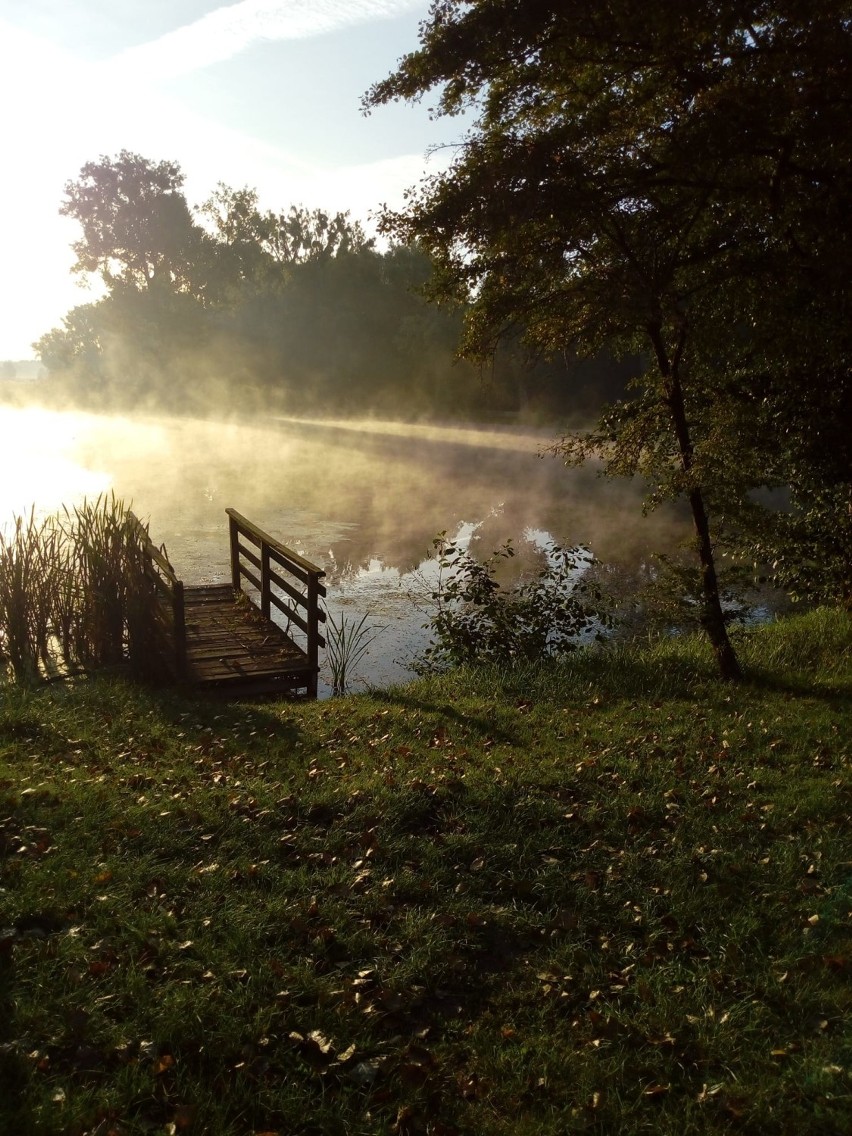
x=232, y=306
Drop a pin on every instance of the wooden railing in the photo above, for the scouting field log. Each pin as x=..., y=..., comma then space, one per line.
x=160, y=632
x=271, y=567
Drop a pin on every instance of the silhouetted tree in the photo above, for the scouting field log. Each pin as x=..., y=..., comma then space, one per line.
x=296, y=302
x=137, y=227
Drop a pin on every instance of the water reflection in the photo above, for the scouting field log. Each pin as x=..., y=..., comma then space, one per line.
x=363, y=499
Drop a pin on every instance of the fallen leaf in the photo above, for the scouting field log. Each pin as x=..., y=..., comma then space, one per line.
x=321, y=1042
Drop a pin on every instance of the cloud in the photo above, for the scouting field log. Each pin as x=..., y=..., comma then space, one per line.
x=229, y=30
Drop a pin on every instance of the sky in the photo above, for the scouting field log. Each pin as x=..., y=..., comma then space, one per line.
x=259, y=93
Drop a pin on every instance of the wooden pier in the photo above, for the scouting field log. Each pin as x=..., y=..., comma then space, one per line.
x=222, y=637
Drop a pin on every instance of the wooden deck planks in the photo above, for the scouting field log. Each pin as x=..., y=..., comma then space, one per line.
x=232, y=648
x=216, y=637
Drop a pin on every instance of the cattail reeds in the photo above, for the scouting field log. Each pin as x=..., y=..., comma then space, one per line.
x=101, y=537
x=33, y=559
x=70, y=586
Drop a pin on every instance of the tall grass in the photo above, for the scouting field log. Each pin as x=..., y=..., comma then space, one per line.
x=346, y=643
x=102, y=544
x=818, y=640
x=33, y=557
x=69, y=586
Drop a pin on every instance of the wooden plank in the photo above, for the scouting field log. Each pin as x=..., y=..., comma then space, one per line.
x=235, y=678
x=154, y=576
x=288, y=611
x=250, y=529
x=245, y=659
x=211, y=666
x=303, y=577
x=220, y=672
x=156, y=557
x=294, y=594
x=163, y=615
x=249, y=555
x=250, y=576
x=166, y=616
x=179, y=614
x=230, y=646
x=160, y=560
x=265, y=588
x=235, y=556
x=294, y=569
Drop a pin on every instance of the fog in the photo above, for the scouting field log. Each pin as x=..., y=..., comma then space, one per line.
x=363, y=499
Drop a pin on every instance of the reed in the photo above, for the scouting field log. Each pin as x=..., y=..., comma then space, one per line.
x=346, y=642
x=70, y=587
x=32, y=563
x=102, y=538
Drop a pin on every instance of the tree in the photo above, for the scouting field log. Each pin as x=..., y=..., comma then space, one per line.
x=303, y=235
x=635, y=175
x=298, y=236
x=137, y=227
x=75, y=350
x=131, y=347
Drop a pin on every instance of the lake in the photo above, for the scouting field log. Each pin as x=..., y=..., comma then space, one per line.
x=361, y=499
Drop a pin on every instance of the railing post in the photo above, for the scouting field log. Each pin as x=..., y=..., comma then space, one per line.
x=179, y=617
x=235, y=554
x=313, y=632
x=265, y=582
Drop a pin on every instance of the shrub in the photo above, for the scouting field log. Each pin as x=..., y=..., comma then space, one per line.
x=479, y=620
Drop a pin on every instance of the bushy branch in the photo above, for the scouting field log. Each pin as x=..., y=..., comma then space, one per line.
x=479, y=620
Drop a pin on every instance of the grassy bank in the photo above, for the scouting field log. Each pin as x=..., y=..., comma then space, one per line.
x=613, y=897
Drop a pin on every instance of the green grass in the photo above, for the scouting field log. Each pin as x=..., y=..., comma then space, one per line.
x=611, y=896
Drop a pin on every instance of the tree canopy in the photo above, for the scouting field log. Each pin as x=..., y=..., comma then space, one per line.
x=229, y=304
x=137, y=227
x=669, y=179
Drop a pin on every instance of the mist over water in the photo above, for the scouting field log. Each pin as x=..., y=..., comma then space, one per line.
x=363, y=499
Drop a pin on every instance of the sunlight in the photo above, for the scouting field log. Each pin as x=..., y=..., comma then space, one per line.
x=520, y=440
x=37, y=466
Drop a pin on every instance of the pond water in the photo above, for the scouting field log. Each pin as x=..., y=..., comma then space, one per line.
x=361, y=499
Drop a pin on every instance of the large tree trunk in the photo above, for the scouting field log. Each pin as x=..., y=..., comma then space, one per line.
x=712, y=617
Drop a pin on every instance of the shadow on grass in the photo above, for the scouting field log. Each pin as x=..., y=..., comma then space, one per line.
x=487, y=727
x=832, y=691
x=14, y=1068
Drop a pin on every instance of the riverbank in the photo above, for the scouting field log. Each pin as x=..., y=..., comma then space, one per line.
x=611, y=897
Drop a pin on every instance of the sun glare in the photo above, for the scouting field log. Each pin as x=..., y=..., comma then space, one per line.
x=38, y=468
